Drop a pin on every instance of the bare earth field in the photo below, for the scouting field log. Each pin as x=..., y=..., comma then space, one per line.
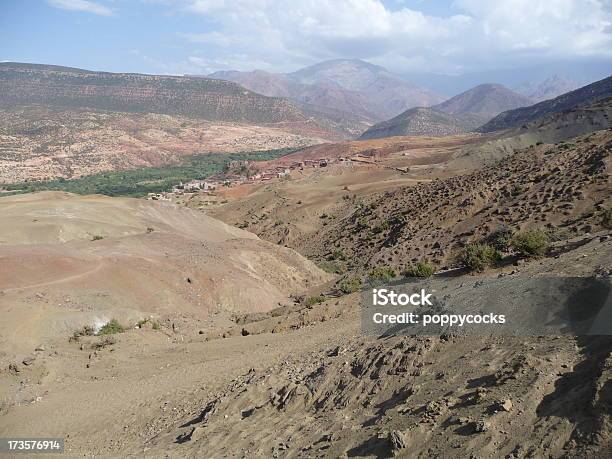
x=40, y=143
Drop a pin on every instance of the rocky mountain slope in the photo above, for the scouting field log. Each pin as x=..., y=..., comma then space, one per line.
x=203, y=98
x=38, y=142
x=548, y=88
x=321, y=95
x=422, y=122
x=562, y=187
x=517, y=117
x=215, y=100
x=242, y=348
x=485, y=101
x=454, y=396
x=348, y=85
x=461, y=113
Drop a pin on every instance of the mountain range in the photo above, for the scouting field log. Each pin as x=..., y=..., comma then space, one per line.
x=330, y=100
x=514, y=118
x=349, y=85
x=462, y=113
x=549, y=88
x=203, y=98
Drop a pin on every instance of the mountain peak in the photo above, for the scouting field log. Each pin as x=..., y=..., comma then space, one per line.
x=548, y=88
x=485, y=100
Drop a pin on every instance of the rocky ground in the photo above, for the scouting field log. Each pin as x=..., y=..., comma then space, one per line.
x=562, y=188
x=39, y=143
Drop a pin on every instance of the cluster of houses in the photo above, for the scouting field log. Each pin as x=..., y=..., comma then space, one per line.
x=242, y=174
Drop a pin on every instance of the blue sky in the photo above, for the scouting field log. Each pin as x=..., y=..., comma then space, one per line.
x=407, y=36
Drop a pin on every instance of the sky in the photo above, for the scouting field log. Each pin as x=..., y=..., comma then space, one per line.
x=451, y=37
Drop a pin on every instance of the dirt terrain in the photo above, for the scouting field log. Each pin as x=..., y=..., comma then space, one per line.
x=40, y=142
x=69, y=261
x=563, y=188
x=227, y=344
x=321, y=388
x=285, y=212
x=465, y=187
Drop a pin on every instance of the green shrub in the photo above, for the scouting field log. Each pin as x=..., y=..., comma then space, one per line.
x=350, y=285
x=532, y=243
x=338, y=255
x=312, y=300
x=476, y=257
x=500, y=240
x=420, y=269
x=111, y=328
x=97, y=238
x=383, y=273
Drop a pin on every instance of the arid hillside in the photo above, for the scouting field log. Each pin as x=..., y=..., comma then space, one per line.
x=201, y=98
x=516, y=118
x=214, y=100
x=562, y=187
x=381, y=148
x=485, y=101
x=39, y=142
x=68, y=261
x=423, y=122
x=240, y=347
x=371, y=212
x=461, y=113
x=284, y=212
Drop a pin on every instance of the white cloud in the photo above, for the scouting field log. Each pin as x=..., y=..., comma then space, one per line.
x=81, y=5
x=477, y=34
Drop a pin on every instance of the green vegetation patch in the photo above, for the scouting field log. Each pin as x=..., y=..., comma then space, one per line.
x=476, y=257
x=421, y=268
x=312, y=300
x=111, y=328
x=532, y=243
x=351, y=285
x=382, y=273
x=139, y=182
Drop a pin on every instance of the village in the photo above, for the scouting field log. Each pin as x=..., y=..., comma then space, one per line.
x=248, y=172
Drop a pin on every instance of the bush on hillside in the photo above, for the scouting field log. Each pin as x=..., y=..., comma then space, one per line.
x=500, y=240
x=421, y=269
x=532, y=243
x=382, y=273
x=350, y=285
x=110, y=328
x=312, y=300
x=476, y=257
